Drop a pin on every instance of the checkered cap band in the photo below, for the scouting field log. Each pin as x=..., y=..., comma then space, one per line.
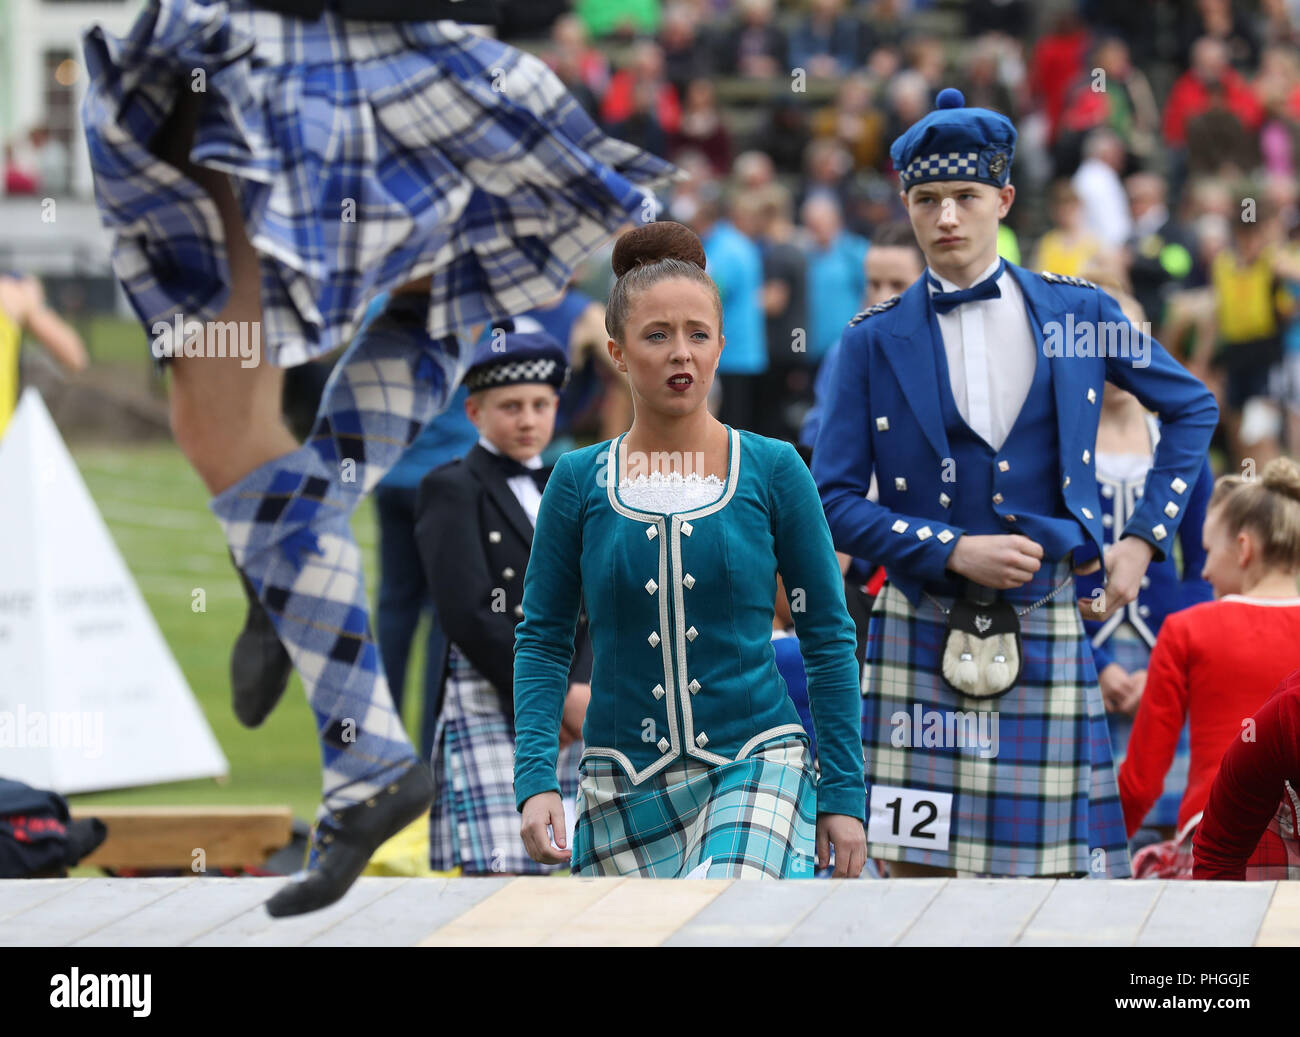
x=511, y=372
x=951, y=165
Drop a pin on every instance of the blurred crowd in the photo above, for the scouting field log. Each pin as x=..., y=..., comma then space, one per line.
x=1158, y=152
x=35, y=163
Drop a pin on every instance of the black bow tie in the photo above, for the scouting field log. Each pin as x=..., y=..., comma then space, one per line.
x=510, y=468
x=945, y=302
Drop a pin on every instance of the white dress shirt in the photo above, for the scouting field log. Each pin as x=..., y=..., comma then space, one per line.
x=522, y=486
x=991, y=356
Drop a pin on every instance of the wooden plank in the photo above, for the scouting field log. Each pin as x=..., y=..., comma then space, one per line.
x=408, y=913
x=191, y=909
x=1281, y=926
x=865, y=913
x=978, y=913
x=166, y=837
x=255, y=928
x=752, y=914
x=524, y=913
x=19, y=894
x=1091, y=913
x=640, y=913
x=1207, y=914
x=90, y=906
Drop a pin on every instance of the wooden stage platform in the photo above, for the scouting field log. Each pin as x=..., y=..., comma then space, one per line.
x=205, y=911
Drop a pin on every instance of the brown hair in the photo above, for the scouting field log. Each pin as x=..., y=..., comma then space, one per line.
x=646, y=255
x=1268, y=506
x=897, y=234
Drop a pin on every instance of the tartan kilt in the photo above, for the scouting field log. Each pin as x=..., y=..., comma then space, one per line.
x=752, y=818
x=1277, y=855
x=473, y=824
x=1133, y=654
x=1046, y=802
x=1170, y=859
x=363, y=154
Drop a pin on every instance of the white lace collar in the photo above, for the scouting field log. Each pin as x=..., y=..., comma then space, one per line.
x=672, y=492
x=673, y=479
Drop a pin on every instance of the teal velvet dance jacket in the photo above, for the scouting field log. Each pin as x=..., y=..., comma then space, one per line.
x=680, y=609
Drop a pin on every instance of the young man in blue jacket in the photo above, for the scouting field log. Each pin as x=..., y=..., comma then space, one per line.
x=974, y=398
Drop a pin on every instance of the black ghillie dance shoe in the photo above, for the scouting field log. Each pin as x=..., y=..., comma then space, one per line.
x=345, y=841
x=259, y=665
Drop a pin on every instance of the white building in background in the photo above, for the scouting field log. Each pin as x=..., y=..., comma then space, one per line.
x=36, y=38
x=42, y=81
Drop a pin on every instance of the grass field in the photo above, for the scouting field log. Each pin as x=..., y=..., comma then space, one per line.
x=156, y=509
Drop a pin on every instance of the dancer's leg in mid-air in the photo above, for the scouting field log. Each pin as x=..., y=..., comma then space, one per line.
x=226, y=416
x=286, y=508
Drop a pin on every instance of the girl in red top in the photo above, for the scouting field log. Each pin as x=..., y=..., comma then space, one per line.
x=1247, y=833
x=1216, y=663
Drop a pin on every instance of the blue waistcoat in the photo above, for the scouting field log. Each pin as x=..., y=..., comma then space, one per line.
x=1025, y=498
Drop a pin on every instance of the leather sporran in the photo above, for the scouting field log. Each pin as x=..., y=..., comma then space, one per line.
x=982, y=654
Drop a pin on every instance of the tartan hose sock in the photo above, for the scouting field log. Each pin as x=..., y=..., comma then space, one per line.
x=389, y=384
x=288, y=527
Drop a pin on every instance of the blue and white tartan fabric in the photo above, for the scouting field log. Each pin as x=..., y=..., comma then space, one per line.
x=752, y=818
x=364, y=155
x=474, y=824
x=1047, y=803
x=288, y=524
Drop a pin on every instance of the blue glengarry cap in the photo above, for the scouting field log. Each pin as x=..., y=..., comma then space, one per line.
x=954, y=142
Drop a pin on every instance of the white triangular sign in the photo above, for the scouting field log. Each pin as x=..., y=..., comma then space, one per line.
x=90, y=695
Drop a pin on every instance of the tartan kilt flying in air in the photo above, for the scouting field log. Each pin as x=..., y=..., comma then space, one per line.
x=751, y=818
x=474, y=824
x=1039, y=799
x=364, y=154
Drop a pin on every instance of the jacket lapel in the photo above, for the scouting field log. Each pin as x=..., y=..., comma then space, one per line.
x=911, y=355
x=494, y=482
x=1043, y=301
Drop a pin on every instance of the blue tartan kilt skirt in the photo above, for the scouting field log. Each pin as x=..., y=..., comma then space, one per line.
x=363, y=154
x=1133, y=654
x=474, y=824
x=752, y=818
x=1041, y=797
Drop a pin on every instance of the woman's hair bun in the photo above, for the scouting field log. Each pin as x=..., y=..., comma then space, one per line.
x=655, y=241
x=1282, y=475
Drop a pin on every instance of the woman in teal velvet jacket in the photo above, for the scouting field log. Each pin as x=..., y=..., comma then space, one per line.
x=674, y=533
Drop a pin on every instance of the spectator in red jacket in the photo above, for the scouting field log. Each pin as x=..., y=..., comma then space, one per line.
x=1192, y=93
x=647, y=71
x=1246, y=833
x=1217, y=662
x=1056, y=64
